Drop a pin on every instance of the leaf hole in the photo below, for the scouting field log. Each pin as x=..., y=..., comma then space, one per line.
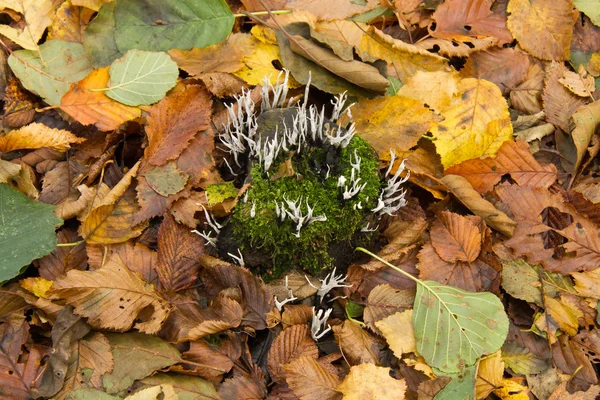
x=467, y=28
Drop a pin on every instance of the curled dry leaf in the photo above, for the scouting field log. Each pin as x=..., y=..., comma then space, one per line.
x=559, y=103
x=357, y=345
x=580, y=83
x=112, y=297
x=527, y=96
x=367, y=381
x=36, y=136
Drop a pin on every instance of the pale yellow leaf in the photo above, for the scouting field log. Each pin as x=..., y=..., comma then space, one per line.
x=435, y=89
x=36, y=136
x=370, y=382
x=399, y=332
x=37, y=15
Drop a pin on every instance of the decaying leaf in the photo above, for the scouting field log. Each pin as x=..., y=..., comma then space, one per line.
x=292, y=343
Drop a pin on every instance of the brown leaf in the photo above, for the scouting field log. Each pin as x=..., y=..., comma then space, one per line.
x=589, y=342
x=95, y=107
x=580, y=252
x=19, y=362
x=295, y=314
x=580, y=83
x=310, y=380
x=112, y=297
x=586, y=121
x=505, y=67
x=513, y=158
x=242, y=388
x=527, y=97
x=357, y=345
x=219, y=359
x=257, y=299
x=456, y=19
x=384, y=301
x=137, y=257
x=11, y=301
x=60, y=183
x=568, y=357
x=367, y=381
x=225, y=313
x=464, y=47
x=291, y=343
x=174, y=121
x=66, y=331
x=456, y=238
x=35, y=136
x=64, y=258
x=562, y=393
x=223, y=57
x=178, y=253
x=542, y=27
x=559, y=103
x=69, y=23
x=493, y=217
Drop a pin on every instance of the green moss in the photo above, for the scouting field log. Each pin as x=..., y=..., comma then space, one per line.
x=310, y=251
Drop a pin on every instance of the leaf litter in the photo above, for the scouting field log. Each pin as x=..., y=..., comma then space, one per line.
x=480, y=282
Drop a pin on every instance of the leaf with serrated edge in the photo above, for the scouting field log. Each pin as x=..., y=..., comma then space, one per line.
x=36, y=136
x=310, y=380
x=112, y=297
x=141, y=77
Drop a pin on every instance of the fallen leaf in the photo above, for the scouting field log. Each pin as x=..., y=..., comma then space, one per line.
x=37, y=15
x=310, y=380
x=174, y=122
x=384, y=301
x=369, y=382
x=456, y=238
x=178, y=254
x=35, y=136
x=557, y=315
x=586, y=120
x=559, y=103
x=434, y=89
x=224, y=313
x=399, y=332
x=513, y=158
x=336, y=9
x=292, y=343
x=95, y=107
x=506, y=68
x=456, y=19
x=184, y=385
x=489, y=375
x=527, y=96
x=70, y=22
x=580, y=83
x=112, y=297
x=521, y=361
x=357, y=344
x=569, y=357
x=542, y=27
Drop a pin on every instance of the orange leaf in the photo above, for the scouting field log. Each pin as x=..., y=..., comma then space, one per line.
x=90, y=107
x=456, y=238
x=174, y=121
x=36, y=136
x=513, y=158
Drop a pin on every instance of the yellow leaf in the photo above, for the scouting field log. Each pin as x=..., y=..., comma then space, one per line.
x=510, y=389
x=163, y=392
x=37, y=15
x=557, y=315
x=476, y=123
x=436, y=89
x=588, y=283
x=489, y=375
x=36, y=136
x=391, y=122
x=419, y=364
x=91, y=107
x=399, y=332
x=37, y=286
x=70, y=22
x=370, y=382
x=112, y=220
x=112, y=297
x=91, y=4
x=542, y=27
x=405, y=59
x=581, y=83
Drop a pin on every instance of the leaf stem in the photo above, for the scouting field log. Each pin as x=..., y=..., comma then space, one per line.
x=276, y=12
x=390, y=265
x=69, y=244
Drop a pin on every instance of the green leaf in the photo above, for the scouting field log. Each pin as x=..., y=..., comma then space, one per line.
x=522, y=281
x=90, y=394
x=141, y=77
x=26, y=231
x=51, y=72
x=166, y=179
x=453, y=327
x=462, y=385
x=136, y=356
x=187, y=387
x=219, y=192
x=354, y=310
x=591, y=8
x=161, y=25
x=395, y=85
x=99, y=37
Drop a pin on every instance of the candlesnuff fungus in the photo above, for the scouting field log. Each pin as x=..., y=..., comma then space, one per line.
x=315, y=190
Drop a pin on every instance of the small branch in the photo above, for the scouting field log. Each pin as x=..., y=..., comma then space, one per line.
x=276, y=12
